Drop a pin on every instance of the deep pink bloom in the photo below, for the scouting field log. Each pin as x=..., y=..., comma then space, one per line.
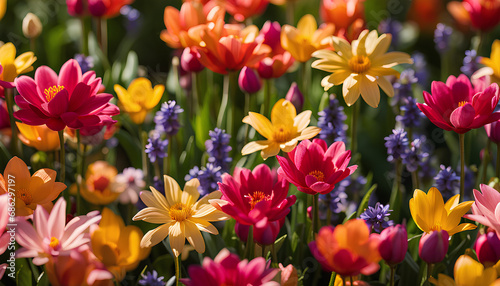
x=228, y=269
x=77, y=8
x=493, y=131
x=253, y=198
x=190, y=61
x=70, y=99
x=3, y=267
x=314, y=168
x=50, y=236
x=77, y=267
x=486, y=208
x=433, y=246
x=244, y=9
x=106, y=8
x=483, y=13
x=295, y=97
x=4, y=219
x=264, y=232
x=487, y=248
x=249, y=81
x=393, y=244
x=456, y=106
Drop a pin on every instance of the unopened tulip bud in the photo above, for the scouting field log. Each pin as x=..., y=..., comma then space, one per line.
x=393, y=244
x=97, y=8
x=270, y=35
x=295, y=97
x=289, y=276
x=32, y=27
x=249, y=81
x=493, y=131
x=266, y=232
x=75, y=8
x=487, y=248
x=241, y=231
x=433, y=246
x=190, y=62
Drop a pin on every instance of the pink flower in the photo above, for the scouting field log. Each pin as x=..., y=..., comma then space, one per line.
x=244, y=9
x=483, y=13
x=252, y=198
x=228, y=269
x=493, y=131
x=393, y=244
x=50, y=236
x=486, y=208
x=314, y=167
x=68, y=99
x=3, y=267
x=4, y=220
x=77, y=267
x=487, y=248
x=433, y=246
x=456, y=106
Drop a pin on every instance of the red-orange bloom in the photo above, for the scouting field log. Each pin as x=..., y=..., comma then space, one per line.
x=342, y=13
x=224, y=48
x=178, y=22
x=243, y=9
x=347, y=249
x=481, y=14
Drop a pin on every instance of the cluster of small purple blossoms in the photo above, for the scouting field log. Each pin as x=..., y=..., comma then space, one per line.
x=167, y=118
x=470, y=63
x=377, y=218
x=403, y=88
x=331, y=121
x=416, y=155
x=218, y=149
x=132, y=19
x=447, y=181
x=208, y=176
x=86, y=63
x=157, y=147
x=397, y=145
x=411, y=114
x=152, y=279
x=393, y=27
x=420, y=68
x=442, y=37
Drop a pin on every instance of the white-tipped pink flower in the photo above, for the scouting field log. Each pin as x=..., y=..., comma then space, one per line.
x=50, y=235
x=4, y=219
x=486, y=208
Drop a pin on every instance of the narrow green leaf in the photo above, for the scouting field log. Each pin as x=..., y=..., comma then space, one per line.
x=364, y=203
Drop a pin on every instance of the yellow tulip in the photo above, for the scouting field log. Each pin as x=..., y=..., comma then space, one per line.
x=302, y=41
x=39, y=137
x=98, y=187
x=139, y=98
x=430, y=213
x=492, y=64
x=12, y=66
x=284, y=131
x=117, y=246
x=468, y=272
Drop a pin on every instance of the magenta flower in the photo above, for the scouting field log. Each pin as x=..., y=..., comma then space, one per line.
x=487, y=248
x=393, y=244
x=228, y=269
x=433, y=246
x=486, y=208
x=50, y=236
x=253, y=198
x=456, y=106
x=68, y=99
x=493, y=131
x=314, y=167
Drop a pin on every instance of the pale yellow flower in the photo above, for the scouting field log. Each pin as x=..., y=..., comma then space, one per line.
x=284, y=131
x=360, y=66
x=180, y=214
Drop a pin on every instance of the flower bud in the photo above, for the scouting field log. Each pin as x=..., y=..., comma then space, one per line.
x=270, y=35
x=433, y=246
x=493, y=131
x=75, y=8
x=295, y=97
x=266, y=232
x=241, y=231
x=97, y=8
x=190, y=62
x=32, y=27
x=289, y=276
x=249, y=81
x=393, y=244
x=487, y=248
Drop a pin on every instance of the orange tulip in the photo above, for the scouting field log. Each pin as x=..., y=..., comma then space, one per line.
x=39, y=137
x=342, y=13
x=347, y=249
x=178, y=22
x=30, y=191
x=224, y=48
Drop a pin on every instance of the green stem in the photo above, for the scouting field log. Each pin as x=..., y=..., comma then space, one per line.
x=194, y=89
x=350, y=280
x=343, y=281
x=414, y=178
x=62, y=157
x=486, y=159
x=354, y=126
x=315, y=219
x=429, y=272
x=33, y=45
x=393, y=272
x=498, y=161
x=85, y=37
x=461, y=138
x=143, y=136
x=9, y=98
x=168, y=159
x=290, y=12
x=249, y=250
x=274, y=256
x=224, y=102
x=177, y=271
x=263, y=253
x=395, y=200
x=305, y=78
x=247, y=110
x=332, y=279
x=267, y=97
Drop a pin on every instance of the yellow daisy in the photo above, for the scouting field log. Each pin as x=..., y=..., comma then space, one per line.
x=284, y=131
x=180, y=214
x=430, y=213
x=492, y=64
x=360, y=66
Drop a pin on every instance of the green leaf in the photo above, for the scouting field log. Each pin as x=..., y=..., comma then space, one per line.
x=129, y=72
x=131, y=148
x=23, y=275
x=347, y=218
x=364, y=203
x=202, y=125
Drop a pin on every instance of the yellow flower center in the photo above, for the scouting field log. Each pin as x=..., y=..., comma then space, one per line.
x=359, y=64
x=101, y=183
x=462, y=103
x=318, y=175
x=281, y=135
x=52, y=91
x=436, y=227
x=180, y=212
x=54, y=242
x=256, y=197
x=25, y=196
